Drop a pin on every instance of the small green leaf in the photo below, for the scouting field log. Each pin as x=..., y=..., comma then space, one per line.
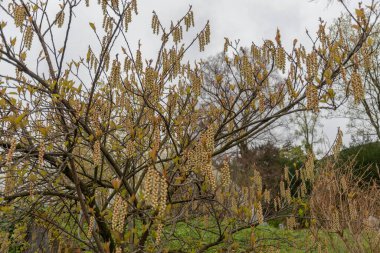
x=93, y=26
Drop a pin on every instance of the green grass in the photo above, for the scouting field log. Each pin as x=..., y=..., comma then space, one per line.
x=192, y=235
x=191, y=239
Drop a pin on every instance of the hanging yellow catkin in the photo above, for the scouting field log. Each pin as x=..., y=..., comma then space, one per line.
x=115, y=74
x=261, y=102
x=291, y=222
x=226, y=177
x=259, y=213
x=104, y=5
x=138, y=61
x=97, y=153
x=357, y=87
x=41, y=153
x=286, y=174
x=155, y=24
x=120, y=209
x=226, y=45
x=90, y=227
x=28, y=37
x=60, y=17
x=267, y=196
x=127, y=18
x=312, y=97
x=280, y=59
x=159, y=233
x=115, y=4
x=19, y=15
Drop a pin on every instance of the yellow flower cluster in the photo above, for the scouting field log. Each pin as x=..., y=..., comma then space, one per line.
x=286, y=174
x=130, y=149
x=115, y=80
x=278, y=37
x=28, y=37
x=189, y=20
x=127, y=18
x=312, y=65
x=335, y=221
x=106, y=60
x=204, y=38
x=261, y=102
x=280, y=59
x=288, y=195
x=97, y=153
x=108, y=24
x=199, y=159
x=19, y=15
x=308, y=172
x=115, y=4
x=155, y=24
x=357, y=87
x=209, y=175
x=291, y=222
x=259, y=213
x=226, y=177
x=134, y=6
x=226, y=45
x=177, y=33
x=258, y=182
x=60, y=17
x=197, y=84
x=151, y=85
x=256, y=52
x=90, y=227
x=120, y=209
x=267, y=196
x=353, y=209
x=160, y=227
x=246, y=70
x=138, y=61
x=91, y=59
x=104, y=6
x=322, y=33
x=41, y=153
x=344, y=75
x=312, y=97
x=156, y=139
x=156, y=190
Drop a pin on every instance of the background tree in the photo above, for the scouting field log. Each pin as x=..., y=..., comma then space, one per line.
x=308, y=127
x=363, y=114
